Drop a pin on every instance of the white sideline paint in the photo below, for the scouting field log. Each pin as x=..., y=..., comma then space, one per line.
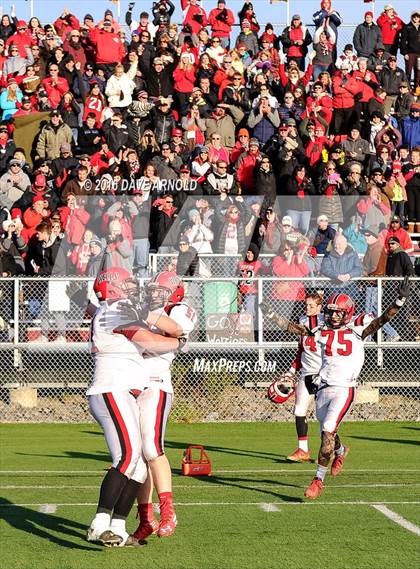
x=47, y=508
x=228, y=504
x=396, y=518
x=269, y=508
x=209, y=487
x=254, y=471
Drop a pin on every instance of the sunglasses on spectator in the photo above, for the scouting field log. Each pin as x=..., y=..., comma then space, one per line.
x=15, y=166
x=222, y=167
x=215, y=137
x=395, y=221
x=330, y=169
x=169, y=201
x=234, y=211
x=22, y=29
x=215, y=41
x=286, y=225
x=384, y=152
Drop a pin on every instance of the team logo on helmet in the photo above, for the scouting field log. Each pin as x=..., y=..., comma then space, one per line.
x=339, y=310
x=114, y=283
x=164, y=289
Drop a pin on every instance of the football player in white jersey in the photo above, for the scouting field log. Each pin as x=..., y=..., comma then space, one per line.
x=307, y=362
x=164, y=296
x=119, y=378
x=342, y=339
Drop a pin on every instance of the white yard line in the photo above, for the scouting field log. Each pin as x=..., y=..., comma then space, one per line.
x=396, y=518
x=228, y=504
x=254, y=471
x=269, y=508
x=204, y=486
x=47, y=508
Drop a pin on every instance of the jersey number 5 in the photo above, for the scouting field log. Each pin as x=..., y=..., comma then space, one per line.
x=346, y=345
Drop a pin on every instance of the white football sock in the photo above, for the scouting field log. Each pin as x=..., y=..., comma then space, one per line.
x=101, y=521
x=321, y=471
x=303, y=444
x=340, y=451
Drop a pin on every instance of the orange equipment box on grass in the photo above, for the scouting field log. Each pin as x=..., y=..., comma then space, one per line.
x=196, y=466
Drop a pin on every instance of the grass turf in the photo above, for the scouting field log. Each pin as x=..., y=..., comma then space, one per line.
x=249, y=514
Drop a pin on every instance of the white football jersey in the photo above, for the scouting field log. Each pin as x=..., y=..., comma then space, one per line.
x=308, y=358
x=159, y=367
x=119, y=363
x=343, y=351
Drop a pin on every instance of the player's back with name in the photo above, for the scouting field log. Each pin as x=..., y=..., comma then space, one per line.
x=119, y=363
x=343, y=351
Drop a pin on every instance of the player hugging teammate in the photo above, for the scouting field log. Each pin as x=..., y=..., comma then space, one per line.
x=341, y=340
x=133, y=344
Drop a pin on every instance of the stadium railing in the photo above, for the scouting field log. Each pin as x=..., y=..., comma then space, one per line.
x=231, y=360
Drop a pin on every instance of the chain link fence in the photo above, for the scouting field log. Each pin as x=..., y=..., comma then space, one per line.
x=45, y=366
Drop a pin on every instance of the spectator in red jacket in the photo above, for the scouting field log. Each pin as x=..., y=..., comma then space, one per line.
x=33, y=216
x=390, y=25
x=22, y=38
x=184, y=79
x=221, y=20
x=344, y=89
x=55, y=86
x=395, y=230
x=295, y=39
x=65, y=24
x=74, y=219
x=245, y=167
x=195, y=18
x=109, y=48
x=75, y=47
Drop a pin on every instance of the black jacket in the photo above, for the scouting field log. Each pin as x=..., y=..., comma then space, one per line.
x=399, y=264
x=410, y=39
x=187, y=263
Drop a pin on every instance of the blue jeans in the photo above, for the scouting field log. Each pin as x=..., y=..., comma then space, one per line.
x=300, y=219
x=225, y=42
x=372, y=306
x=141, y=255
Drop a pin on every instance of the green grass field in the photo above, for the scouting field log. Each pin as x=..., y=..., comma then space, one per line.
x=250, y=514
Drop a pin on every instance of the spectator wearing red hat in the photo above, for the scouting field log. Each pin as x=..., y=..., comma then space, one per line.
x=241, y=145
x=390, y=25
x=38, y=190
x=246, y=165
x=221, y=20
x=22, y=38
x=247, y=13
x=33, y=216
x=367, y=36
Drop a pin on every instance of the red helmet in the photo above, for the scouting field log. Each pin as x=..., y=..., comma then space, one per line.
x=165, y=288
x=111, y=284
x=279, y=391
x=340, y=303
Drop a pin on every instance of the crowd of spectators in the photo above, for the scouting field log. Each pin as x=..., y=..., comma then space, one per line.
x=175, y=138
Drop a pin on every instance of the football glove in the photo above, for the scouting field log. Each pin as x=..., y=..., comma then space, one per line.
x=133, y=312
x=403, y=292
x=78, y=293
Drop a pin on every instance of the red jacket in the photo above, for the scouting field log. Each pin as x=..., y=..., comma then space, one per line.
x=30, y=220
x=326, y=104
x=109, y=48
x=221, y=28
x=289, y=290
x=66, y=25
x=55, y=92
x=184, y=80
x=343, y=94
x=362, y=86
x=249, y=270
x=190, y=12
x=245, y=170
x=237, y=150
x=389, y=32
x=22, y=40
x=74, y=222
x=402, y=234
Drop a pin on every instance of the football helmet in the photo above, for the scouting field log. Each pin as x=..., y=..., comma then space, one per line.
x=164, y=289
x=281, y=389
x=339, y=310
x=115, y=283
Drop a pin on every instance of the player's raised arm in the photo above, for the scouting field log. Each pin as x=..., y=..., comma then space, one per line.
x=391, y=311
x=284, y=323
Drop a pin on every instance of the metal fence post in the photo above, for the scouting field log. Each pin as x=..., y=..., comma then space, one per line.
x=16, y=352
x=380, y=355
